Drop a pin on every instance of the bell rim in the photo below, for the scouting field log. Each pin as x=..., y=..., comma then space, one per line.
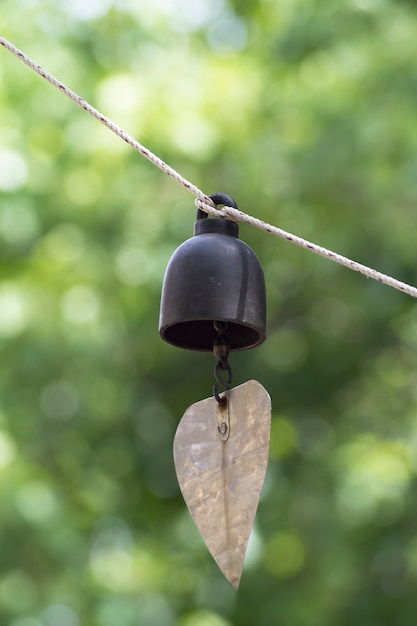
x=233, y=347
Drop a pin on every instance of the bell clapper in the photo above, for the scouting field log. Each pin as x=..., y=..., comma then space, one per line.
x=221, y=352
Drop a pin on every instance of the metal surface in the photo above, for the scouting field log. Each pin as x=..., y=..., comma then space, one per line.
x=221, y=455
x=214, y=276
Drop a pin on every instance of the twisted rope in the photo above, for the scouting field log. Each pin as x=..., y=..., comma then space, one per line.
x=105, y=121
x=202, y=200
x=238, y=216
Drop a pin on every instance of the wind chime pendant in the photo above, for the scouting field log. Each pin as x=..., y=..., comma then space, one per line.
x=221, y=456
x=213, y=299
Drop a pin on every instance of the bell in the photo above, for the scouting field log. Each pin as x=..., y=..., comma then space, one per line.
x=213, y=278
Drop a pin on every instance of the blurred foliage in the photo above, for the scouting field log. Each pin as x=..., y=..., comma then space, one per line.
x=304, y=111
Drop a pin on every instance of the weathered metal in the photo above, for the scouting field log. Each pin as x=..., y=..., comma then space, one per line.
x=213, y=277
x=221, y=455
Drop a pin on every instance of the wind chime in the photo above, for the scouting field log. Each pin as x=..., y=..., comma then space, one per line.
x=214, y=300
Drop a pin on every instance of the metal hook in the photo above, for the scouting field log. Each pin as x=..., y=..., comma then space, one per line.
x=222, y=367
x=217, y=198
x=222, y=402
x=220, y=327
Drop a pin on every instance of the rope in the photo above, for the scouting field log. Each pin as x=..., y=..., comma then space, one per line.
x=104, y=120
x=202, y=200
x=238, y=216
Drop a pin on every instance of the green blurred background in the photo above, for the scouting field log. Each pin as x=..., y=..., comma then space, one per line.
x=305, y=112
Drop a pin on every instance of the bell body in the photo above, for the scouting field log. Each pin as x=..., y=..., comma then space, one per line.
x=213, y=277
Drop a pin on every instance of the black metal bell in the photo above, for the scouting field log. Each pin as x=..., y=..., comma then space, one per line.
x=213, y=277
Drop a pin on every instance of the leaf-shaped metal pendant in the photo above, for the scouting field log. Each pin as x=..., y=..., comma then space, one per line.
x=221, y=455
